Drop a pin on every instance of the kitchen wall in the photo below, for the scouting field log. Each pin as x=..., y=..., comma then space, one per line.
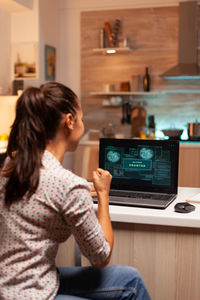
x=41, y=29
x=5, y=52
x=7, y=113
x=27, y=3
x=24, y=32
x=153, y=36
x=181, y=108
x=70, y=14
x=23, y=28
x=38, y=27
x=49, y=33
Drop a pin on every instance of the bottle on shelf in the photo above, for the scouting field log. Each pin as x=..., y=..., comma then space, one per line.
x=146, y=80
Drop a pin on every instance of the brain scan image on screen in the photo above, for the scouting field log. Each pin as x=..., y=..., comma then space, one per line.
x=113, y=156
x=146, y=153
x=141, y=164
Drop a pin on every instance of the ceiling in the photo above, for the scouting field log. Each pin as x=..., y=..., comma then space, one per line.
x=12, y=6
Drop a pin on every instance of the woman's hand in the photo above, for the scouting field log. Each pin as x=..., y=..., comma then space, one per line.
x=101, y=181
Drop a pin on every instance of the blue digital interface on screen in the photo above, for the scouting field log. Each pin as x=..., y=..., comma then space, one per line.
x=142, y=163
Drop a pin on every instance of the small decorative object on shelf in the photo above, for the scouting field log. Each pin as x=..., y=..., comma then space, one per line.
x=116, y=32
x=108, y=32
x=20, y=67
x=122, y=41
x=146, y=80
x=125, y=86
x=102, y=38
x=112, y=31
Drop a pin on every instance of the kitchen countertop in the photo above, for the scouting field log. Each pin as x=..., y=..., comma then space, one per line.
x=186, y=144
x=166, y=216
x=87, y=141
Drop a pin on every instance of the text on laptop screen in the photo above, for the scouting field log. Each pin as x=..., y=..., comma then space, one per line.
x=136, y=164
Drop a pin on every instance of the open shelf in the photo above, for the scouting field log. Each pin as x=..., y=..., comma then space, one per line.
x=152, y=93
x=132, y=93
x=182, y=91
x=112, y=50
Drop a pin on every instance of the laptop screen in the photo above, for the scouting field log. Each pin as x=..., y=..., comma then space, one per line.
x=141, y=165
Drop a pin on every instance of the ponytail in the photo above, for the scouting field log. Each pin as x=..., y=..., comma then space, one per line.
x=38, y=115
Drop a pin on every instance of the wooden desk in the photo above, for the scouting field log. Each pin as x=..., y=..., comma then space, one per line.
x=163, y=245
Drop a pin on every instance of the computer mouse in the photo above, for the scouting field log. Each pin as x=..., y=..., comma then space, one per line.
x=184, y=207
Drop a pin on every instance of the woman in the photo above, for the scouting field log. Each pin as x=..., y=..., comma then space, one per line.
x=42, y=204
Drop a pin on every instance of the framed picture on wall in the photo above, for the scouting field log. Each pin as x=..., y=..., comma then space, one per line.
x=50, y=63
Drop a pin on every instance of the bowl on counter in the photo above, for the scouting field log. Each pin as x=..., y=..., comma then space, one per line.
x=173, y=133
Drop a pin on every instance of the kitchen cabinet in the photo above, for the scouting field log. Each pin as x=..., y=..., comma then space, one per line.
x=162, y=244
x=189, y=164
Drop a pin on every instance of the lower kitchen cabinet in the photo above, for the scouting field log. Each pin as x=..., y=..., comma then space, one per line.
x=167, y=257
x=163, y=245
x=189, y=165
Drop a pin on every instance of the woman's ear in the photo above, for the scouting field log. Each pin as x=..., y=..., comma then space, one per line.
x=69, y=121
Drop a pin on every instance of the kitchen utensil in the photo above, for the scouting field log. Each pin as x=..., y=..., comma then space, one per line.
x=194, y=130
x=108, y=31
x=123, y=120
x=138, y=121
x=108, y=131
x=128, y=113
x=172, y=133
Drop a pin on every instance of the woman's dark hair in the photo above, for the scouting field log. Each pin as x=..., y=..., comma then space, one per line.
x=38, y=114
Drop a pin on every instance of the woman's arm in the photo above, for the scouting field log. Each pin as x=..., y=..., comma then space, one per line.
x=102, y=180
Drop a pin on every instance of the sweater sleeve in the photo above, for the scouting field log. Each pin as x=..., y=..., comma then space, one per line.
x=81, y=218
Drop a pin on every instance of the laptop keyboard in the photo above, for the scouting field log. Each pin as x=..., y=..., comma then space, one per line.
x=139, y=195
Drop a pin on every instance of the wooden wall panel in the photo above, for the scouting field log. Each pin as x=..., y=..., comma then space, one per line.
x=153, y=35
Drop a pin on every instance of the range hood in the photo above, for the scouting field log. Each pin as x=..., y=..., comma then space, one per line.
x=187, y=67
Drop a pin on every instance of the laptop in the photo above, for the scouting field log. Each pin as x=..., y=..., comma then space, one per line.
x=144, y=172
